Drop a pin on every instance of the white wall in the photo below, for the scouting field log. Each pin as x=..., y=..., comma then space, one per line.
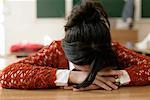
x=21, y=23
x=2, y=31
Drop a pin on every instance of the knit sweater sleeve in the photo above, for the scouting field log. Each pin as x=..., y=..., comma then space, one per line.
x=37, y=70
x=136, y=65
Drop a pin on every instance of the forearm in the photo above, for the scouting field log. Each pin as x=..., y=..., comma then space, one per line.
x=128, y=57
x=139, y=74
x=51, y=55
x=25, y=76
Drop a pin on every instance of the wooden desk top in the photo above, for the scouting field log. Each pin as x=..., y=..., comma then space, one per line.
x=124, y=93
x=142, y=51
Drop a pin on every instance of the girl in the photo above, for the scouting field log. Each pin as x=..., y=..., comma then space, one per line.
x=88, y=60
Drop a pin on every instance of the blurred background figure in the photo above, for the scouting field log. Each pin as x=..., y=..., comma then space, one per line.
x=128, y=13
x=127, y=17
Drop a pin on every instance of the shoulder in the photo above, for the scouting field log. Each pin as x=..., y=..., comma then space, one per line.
x=122, y=50
x=55, y=44
x=116, y=45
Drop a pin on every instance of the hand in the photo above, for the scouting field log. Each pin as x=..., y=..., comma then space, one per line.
x=104, y=79
x=91, y=87
x=77, y=77
x=100, y=82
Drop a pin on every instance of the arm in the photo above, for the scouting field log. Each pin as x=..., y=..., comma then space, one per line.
x=51, y=56
x=136, y=65
x=37, y=70
x=139, y=74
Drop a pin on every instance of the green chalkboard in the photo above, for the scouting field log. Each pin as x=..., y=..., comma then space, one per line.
x=50, y=8
x=145, y=8
x=113, y=7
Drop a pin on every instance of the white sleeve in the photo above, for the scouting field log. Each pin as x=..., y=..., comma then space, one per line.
x=62, y=77
x=71, y=66
x=125, y=78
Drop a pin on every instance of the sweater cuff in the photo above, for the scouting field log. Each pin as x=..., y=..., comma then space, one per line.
x=125, y=78
x=62, y=77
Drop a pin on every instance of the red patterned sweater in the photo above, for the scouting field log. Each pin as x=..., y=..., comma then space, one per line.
x=39, y=70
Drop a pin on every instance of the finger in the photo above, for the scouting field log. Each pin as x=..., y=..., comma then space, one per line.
x=61, y=87
x=118, y=84
x=91, y=87
x=101, y=84
x=68, y=87
x=112, y=85
x=110, y=73
x=107, y=82
x=112, y=79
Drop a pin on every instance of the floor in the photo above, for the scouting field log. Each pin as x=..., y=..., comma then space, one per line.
x=124, y=93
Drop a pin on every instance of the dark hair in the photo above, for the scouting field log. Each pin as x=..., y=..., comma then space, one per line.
x=87, y=39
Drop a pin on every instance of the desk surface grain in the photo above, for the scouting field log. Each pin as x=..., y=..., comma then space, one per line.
x=124, y=93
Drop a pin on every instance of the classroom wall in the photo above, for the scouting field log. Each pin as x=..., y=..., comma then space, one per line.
x=21, y=24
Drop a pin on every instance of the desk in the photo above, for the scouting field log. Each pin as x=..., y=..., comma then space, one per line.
x=124, y=36
x=145, y=52
x=124, y=93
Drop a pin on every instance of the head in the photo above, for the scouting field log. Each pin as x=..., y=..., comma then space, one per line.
x=87, y=39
